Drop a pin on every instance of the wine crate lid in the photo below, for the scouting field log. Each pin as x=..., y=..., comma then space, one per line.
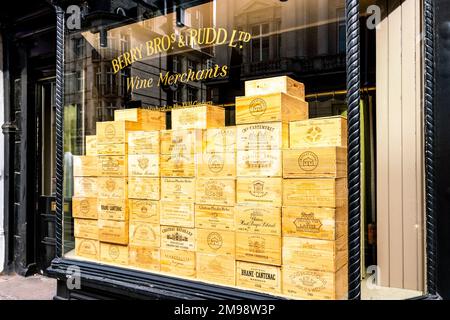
x=282, y=84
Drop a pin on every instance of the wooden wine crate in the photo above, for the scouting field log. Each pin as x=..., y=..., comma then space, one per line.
x=315, y=254
x=84, y=208
x=113, y=253
x=314, y=284
x=270, y=108
x=178, y=238
x=112, y=166
x=318, y=132
x=178, y=165
x=212, y=241
x=115, y=131
x=149, y=119
x=144, y=210
x=282, y=84
x=178, y=189
x=85, y=166
x=112, y=149
x=324, y=192
x=326, y=162
x=215, y=191
x=145, y=234
x=198, y=117
x=113, y=231
x=87, y=248
x=259, y=163
x=217, y=165
x=258, y=277
x=260, y=248
x=144, y=188
x=144, y=257
x=143, y=142
x=85, y=187
x=181, y=214
x=183, y=141
x=91, y=145
x=263, y=136
x=112, y=187
x=86, y=228
x=263, y=191
x=214, y=217
x=317, y=223
x=144, y=165
x=216, y=268
x=178, y=262
x=220, y=140
x=112, y=209
x=258, y=219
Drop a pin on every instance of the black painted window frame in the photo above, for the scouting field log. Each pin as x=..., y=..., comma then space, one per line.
x=100, y=275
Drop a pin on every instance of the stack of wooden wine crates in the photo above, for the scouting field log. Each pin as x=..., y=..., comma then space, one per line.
x=261, y=205
x=117, y=191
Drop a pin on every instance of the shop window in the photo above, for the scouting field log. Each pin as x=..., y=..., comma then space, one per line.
x=192, y=94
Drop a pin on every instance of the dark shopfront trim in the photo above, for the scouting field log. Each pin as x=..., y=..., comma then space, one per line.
x=100, y=281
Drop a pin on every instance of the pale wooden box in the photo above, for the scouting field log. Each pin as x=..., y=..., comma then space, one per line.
x=315, y=254
x=282, y=84
x=258, y=219
x=112, y=166
x=178, y=189
x=213, y=241
x=198, y=117
x=145, y=234
x=143, y=165
x=323, y=192
x=183, y=141
x=84, y=208
x=149, y=119
x=217, y=165
x=113, y=253
x=112, y=132
x=214, y=217
x=259, y=248
x=144, y=257
x=86, y=228
x=112, y=209
x=319, y=132
x=215, y=191
x=85, y=187
x=326, y=162
x=91, y=145
x=87, y=248
x=85, y=166
x=314, y=284
x=262, y=191
x=178, y=262
x=216, y=268
x=144, y=188
x=259, y=163
x=263, y=136
x=258, y=277
x=144, y=142
x=144, y=210
x=178, y=238
x=181, y=214
x=112, y=149
x=220, y=140
x=178, y=165
x=113, y=231
x=315, y=222
x=270, y=108
x=112, y=187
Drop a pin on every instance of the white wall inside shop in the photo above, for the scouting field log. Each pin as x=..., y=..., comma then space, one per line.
x=2, y=120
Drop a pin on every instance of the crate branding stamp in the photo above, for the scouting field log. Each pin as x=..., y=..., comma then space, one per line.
x=256, y=189
x=313, y=134
x=216, y=163
x=215, y=240
x=257, y=107
x=308, y=161
x=308, y=223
